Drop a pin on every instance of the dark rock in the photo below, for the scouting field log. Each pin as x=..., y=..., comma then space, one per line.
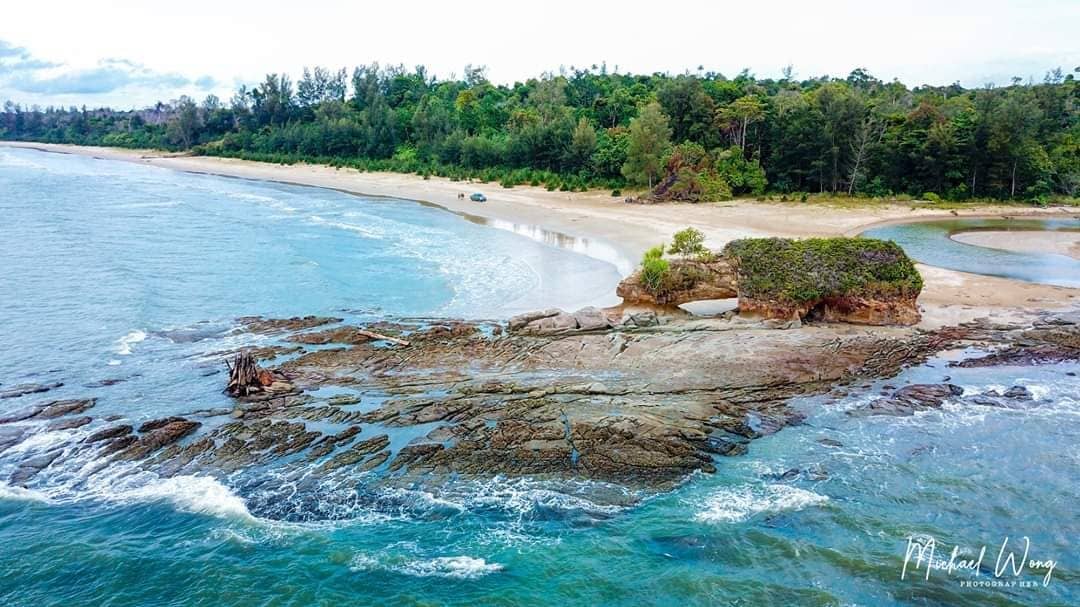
x=270, y=326
x=154, y=424
x=50, y=410
x=358, y=451
x=1018, y=393
x=909, y=399
x=29, y=468
x=829, y=442
x=104, y=383
x=725, y=446
x=10, y=436
x=159, y=437
x=117, y=444
x=60, y=408
x=375, y=461
x=109, y=433
x=1019, y=355
x=69, y=423
x=22, y=414
x=23, y=389
x=339, y=335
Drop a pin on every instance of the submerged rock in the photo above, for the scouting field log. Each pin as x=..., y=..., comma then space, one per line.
x=270, y=326
x=24, y=389
x=69, y=423
x=49, y=410
x=66, y=407
x=909, y=399
x=29, y=468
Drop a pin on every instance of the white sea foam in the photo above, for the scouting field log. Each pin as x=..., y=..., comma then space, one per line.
x=124, y=344
x=364, y=230
x=198, y=494
x=11, y=160
x=269, y=201
x=455, y=567
x=19, y=494
x=462, y=567
x=738, y=504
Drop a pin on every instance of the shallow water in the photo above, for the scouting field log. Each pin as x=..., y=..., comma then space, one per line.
x=929, y=242
x=91, y=280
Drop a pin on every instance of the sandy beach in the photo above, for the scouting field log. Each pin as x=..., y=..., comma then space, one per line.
x=1057, y=243
x=606, y=227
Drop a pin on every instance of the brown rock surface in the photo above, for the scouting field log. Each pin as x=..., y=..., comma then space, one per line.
x=712, y=280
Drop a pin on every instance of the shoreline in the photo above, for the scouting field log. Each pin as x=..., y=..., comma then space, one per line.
x=619, y=233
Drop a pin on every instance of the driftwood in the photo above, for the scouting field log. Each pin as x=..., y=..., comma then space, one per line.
x=245, y=377
x=373, y=335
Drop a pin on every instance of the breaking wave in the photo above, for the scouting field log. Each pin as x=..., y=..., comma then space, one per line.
x=739, y=504
x=125, y=343
x=455, y=567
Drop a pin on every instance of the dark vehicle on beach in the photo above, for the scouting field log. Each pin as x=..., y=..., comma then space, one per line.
x=478, y=197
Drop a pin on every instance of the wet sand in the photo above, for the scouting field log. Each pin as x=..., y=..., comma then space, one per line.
x=1057, y=243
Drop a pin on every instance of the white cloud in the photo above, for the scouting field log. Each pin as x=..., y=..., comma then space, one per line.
x=919, y=42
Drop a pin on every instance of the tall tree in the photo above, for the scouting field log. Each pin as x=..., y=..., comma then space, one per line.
x=650, y=137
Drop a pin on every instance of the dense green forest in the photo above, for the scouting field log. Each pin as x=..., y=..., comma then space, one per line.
x=695, y=136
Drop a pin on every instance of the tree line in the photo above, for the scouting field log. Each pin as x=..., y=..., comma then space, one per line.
x=584, y=128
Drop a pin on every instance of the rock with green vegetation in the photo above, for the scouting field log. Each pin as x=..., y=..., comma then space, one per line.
x=858, y=280
x=674, y=282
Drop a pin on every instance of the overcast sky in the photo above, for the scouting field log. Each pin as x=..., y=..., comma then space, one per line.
x=132, y=53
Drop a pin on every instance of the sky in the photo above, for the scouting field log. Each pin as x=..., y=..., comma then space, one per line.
x=131, y=54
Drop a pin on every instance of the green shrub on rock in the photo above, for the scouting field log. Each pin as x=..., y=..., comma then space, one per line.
x=799, y=271
x=688, y=243
x=653, y=273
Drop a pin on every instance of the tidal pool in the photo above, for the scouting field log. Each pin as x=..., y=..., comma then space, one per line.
x=932, y=243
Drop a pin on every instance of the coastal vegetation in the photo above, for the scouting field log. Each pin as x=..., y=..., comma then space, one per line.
x=816, y=269
x=693, y=137
x=851, y=279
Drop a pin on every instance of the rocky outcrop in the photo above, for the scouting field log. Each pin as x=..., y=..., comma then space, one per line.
x=554, y=322
x=915, y=398
x=855, y=310
x=643, y=403
x=1055, y=339
x=691, y=281
x=910, y=399
x=24, y=389
x=49, y=410
x=853, y=280
x=157, y=434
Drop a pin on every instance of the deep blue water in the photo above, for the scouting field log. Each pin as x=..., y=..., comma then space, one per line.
x=114, y=270
x=930, y=243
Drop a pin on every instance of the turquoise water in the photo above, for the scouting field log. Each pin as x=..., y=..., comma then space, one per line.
x=121, y=271
x=930, y=243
